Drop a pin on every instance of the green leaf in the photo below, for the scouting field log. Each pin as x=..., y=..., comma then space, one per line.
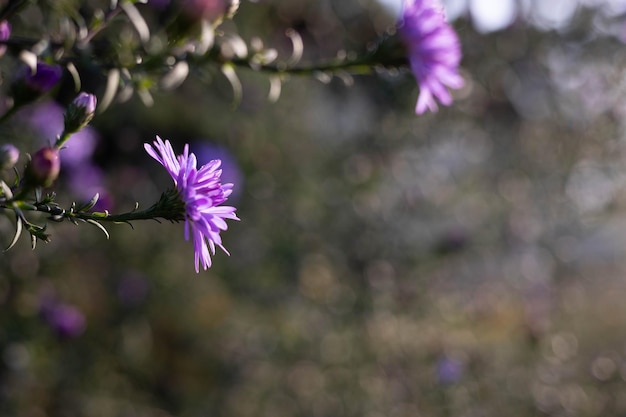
x=18, y=232
x=99, y=226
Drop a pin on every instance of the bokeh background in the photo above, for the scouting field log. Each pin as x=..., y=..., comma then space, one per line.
x=465, y=263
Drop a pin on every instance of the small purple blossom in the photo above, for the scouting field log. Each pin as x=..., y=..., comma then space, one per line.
x=202, y=192
x=5, y=33
x=434, y=52
x=43, y=78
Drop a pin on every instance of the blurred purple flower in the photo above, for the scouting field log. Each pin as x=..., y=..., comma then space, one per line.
x=231, y=173
x=85, y=180
x=449, y=370
x=9, y=155
x=66, y=320
x=5, y=33
x=202, y=192
x=47, y=120
x=43, y=79
x=434, y=52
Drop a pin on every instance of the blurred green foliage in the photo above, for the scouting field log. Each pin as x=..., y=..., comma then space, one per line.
x=463, y=263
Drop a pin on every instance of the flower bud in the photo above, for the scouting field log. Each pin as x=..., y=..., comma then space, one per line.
x=5, y=33
x=80, y=112
x=8, y=156
x=44, y=167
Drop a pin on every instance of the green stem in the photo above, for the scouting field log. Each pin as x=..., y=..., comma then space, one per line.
x=62, y=139
x=151, y=213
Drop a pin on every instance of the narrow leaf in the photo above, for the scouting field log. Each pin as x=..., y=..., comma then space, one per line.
x=18, y=232
x=99, y=226
x=113, y=82
x=231, y=76
x=137, y=20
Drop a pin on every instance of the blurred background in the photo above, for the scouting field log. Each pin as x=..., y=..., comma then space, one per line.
x=464, y=263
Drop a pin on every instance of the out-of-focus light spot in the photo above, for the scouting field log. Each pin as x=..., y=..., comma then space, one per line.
x=394, y=7
x=455, y=9
x=564, y=346
x=590, y=187
x=553, y=14
x=490, y=16
x=16, y=356
x=603, y=368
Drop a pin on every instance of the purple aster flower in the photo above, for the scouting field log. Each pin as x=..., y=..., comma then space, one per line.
x=434, y=52
x=202, y=192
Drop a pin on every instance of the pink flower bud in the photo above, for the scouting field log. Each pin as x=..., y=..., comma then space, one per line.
x=44, y=167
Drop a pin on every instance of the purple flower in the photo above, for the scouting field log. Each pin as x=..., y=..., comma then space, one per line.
x=66, y=320
x=5, y=33
x=434, y=52
x=202, y=192
x=44, y=77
